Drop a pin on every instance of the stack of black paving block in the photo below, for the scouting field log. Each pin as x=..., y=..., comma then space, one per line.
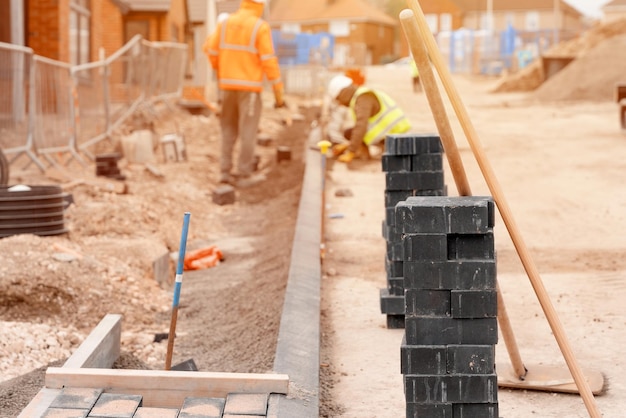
x=448, y=351
x=106, y=166
x=413, y=166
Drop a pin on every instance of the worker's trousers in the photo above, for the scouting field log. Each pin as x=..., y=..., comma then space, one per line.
x=241, y=113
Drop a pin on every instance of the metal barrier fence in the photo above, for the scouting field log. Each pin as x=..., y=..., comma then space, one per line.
x=54, y=113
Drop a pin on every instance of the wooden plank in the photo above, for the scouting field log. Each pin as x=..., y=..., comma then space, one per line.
x=101, y=347
x=167, y=388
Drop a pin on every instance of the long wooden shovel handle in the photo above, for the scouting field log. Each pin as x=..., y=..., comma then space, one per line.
x=505, y=212
x=420, y=55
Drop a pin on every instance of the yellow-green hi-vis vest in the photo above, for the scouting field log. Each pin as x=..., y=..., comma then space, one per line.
x=389, y=120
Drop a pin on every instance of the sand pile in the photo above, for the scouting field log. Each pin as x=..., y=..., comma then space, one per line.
x=531, y=77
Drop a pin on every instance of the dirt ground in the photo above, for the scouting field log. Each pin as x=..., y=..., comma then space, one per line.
x=560, y=165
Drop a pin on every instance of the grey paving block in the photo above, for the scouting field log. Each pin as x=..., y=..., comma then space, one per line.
x=246, y=404
x=144, y=412
x=427, y=302
x=423, y=359
x=412, y=218
x=224, y=195
x=65, y=413
x=390, y=215
x=471, y=246
x=76, y=398
x=441, y=330
x=194, y=407
x=473, y=304
x=391, y=304
x=395, y=250
x=450, y=274
x=421, y=247
x=435, y=192
x=116, y=405
x=396, y=162
x=391, y=233
x=429, y=410
x=451, y=388
x=470, y=359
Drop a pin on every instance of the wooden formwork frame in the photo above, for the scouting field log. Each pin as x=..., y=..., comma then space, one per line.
x=90, y=367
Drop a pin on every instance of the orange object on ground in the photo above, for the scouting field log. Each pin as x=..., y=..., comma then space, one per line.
x=203, y=258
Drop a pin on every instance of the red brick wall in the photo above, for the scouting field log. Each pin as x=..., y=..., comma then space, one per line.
x=43, y=27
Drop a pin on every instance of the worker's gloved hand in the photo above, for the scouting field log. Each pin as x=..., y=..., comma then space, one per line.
x=339, y=149
x=346, y=157
x=279, y=96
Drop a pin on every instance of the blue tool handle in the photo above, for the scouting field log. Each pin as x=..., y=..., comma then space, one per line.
x=181, y=260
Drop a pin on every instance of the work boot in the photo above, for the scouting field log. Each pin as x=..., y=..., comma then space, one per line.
x=244, y=182
x=227, y=178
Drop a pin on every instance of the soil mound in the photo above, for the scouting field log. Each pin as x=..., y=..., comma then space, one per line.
x=532, y=77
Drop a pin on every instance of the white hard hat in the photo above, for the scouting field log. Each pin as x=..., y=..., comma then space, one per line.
x=337, y=84
x=222, y=17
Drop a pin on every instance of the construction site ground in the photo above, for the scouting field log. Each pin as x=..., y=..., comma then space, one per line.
x=560, y=165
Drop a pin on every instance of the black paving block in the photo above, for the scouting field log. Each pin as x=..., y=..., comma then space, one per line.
x=394, y=268
x=396, y=162
x=452, y=215
x=391, y=304
x=224, y=195
x=427, y=162
x=116, y=405
x=451, y=389
x=197, y=407
x=78, y=398
x=395, y=285
x=427, y=330
x=429, y=410
x=393, y=197
x=391, y=233
x=420, y=302
x=390, y=215
x=412, y=144
x=395, y=250
x=423, y=359
x=421, y=247
x=475, y=410
x=395, y=321
x=283, y=153
x=471, y=246
x=450, y=274
x=436, y=192
x=470, y=359
x=414, y=180
x=473, y=304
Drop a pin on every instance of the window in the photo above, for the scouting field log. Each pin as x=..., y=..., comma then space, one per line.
x=339, y=28
x=532, y=21
x=80, y=31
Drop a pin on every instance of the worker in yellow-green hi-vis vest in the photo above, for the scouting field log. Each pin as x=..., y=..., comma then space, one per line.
x=374, y=113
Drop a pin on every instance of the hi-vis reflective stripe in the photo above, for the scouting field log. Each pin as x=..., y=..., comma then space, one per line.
x=246, y=48
x=247, y=83
x=390, y=118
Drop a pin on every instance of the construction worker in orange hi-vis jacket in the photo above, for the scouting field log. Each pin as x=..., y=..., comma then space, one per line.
x=242, y=52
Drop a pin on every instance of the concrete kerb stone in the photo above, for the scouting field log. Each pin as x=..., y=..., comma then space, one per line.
x=298, y=347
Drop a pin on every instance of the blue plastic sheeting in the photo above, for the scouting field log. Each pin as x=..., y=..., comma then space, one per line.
x=303, y=48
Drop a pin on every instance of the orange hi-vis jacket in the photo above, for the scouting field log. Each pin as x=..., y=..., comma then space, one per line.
x=242, y=52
